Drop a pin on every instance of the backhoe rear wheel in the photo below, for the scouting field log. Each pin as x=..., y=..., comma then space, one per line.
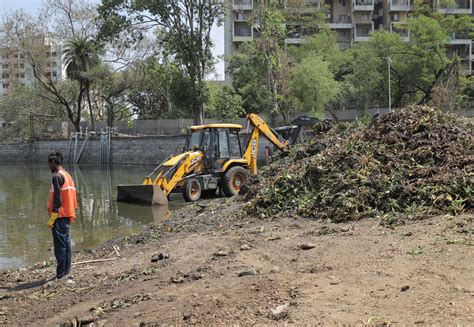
x=191, y=190
x=234, y=179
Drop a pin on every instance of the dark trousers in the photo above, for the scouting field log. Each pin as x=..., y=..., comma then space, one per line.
x=62, y=246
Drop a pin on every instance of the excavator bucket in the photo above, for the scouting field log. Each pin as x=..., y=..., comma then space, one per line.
x=142, y=195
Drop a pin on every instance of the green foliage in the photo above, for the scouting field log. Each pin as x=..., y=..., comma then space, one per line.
x=154, y=94
x=225, y=103
x=26, y=114
x=247, y=70
x=312, y=85
x=81, y=55
x=323, y=45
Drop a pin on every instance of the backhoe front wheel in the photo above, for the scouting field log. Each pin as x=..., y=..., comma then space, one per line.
x=234, y=179
x=191, y=190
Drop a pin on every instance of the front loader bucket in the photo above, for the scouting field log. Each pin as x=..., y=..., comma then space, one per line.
x=149, y=195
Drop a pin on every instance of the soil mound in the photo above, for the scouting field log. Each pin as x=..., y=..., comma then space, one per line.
x=410, y=163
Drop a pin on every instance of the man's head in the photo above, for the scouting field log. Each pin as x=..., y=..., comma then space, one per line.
x=55, y=160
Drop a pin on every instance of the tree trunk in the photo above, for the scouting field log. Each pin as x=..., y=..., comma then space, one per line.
x=88, y=93
x=77, y=123
x=198, y=112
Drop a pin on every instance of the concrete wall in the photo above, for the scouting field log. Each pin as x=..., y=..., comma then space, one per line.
x=127, y=150
x=130, y=150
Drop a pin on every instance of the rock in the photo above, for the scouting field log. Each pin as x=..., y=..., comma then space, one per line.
x=222, y=253
x=280, y=312
x=161, y=256
x=66, y=324
x=405, y=288
x=177, y=280
x=275, y=270
x=307, y=246
x=249, y=272
x=407, y=234
x=187, y=316
x=245, y=247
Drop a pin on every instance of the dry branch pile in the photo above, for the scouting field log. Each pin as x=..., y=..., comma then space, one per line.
x=411, y=163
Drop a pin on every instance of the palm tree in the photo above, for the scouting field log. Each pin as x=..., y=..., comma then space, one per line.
x=81, y=55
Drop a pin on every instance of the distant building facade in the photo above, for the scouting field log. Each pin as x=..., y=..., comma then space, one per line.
x=353, y=20
x=15, y=69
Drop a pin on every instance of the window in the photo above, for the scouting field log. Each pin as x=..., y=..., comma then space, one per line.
x=55, y=74
x=223, y=144
x=5, y=75
x=6, y=85
x=22, y=65
x=48, y=74
x=54, y=53
x=22, y=75
x=394, y=17
x=5, y=66
x=235, y=145
x=242, y=29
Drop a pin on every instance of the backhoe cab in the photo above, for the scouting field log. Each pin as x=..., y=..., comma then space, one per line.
x=213, y=159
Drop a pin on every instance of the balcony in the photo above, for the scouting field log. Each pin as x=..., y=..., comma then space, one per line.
x=243, y=32
x=455, y=7
x=362, y=5
x=362, y=32
x=302, y=6
x=242, y=5
x=399, y=5
x=341, y=22
x=460, y=39
x=397, y=27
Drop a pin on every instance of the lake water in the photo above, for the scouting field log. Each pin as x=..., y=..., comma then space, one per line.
x=24, y=189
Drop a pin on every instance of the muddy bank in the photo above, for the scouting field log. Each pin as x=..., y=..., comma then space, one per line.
x=213, y=265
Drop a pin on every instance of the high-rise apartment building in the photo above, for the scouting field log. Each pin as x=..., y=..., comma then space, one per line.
x=16, y=70
x=353, y=20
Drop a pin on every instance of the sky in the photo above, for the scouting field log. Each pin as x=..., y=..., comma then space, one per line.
x=32, y=6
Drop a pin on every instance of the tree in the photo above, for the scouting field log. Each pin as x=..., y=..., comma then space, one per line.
x=312, y=85
x=26, y=114
x=28, y=37
x=81, y=56
x=155, y=95
x=225, y=103
x=184, y=33
x=261, y=71
x=112, y=93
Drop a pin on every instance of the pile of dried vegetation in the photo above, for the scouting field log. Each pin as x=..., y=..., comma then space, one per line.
x=408, y=164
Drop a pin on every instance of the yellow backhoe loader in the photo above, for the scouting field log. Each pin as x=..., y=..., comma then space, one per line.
x=213, y=158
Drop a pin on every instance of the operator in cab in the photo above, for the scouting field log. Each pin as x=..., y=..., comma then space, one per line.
x=62, y=207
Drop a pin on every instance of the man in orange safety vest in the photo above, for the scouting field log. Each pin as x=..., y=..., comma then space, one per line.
x=62, y=207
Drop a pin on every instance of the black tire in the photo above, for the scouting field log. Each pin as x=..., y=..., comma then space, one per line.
x=191, y=190
x=234, y=179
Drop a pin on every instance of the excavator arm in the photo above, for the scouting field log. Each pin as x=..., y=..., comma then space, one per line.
x=260, y=127
x=169, y=175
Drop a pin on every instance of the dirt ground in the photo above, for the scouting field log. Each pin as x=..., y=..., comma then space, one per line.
x=358, y=273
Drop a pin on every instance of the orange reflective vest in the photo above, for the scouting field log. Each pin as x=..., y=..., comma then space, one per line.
x=68, y=198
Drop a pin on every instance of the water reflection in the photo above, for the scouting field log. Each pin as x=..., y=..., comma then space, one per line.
x=24, y=237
